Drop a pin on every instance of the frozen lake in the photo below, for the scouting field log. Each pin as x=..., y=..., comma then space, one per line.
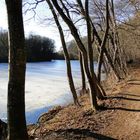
x=46, y=86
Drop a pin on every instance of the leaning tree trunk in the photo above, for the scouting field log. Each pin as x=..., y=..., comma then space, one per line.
x=89, y=38
x=66, y=54
x=100, y=61
x=98, y=88
x=107, y=55
x=81, y=47
x=99, y=91
x=17, y=65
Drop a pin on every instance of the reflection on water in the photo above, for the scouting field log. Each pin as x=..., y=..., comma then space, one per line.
x=46, y=86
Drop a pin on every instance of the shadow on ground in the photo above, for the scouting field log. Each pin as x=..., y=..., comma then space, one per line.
x=129, y=94
x=121, y=108
x=122, y=96
x=133, y=82
x=81, y=134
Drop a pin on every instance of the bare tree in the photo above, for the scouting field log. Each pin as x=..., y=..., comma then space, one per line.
x=17, y=66
x=81, y=47
x=100, y=61
x=90, y=37
x=66, y=54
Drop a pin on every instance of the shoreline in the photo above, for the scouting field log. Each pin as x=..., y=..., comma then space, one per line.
x=45, y=82
x=59, y=107
x=72, y=122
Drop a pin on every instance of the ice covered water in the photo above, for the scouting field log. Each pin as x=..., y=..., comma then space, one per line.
x=46, y=86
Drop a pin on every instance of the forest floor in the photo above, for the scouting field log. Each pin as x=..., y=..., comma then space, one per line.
x=120, y=119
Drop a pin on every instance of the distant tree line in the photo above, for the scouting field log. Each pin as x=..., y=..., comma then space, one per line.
x=129, y=33
x=42, y=48
x=38, y=48
x=73, y=50
x=3, y=46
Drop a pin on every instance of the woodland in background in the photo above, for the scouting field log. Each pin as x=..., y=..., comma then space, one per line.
x=38, y=48
x=129, y=34
x=130, y=37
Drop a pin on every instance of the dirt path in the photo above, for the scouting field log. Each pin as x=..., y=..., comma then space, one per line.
x=126, y=125
x=119, y=119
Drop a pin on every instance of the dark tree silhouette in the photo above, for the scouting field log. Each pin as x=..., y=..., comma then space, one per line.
x=17, y=66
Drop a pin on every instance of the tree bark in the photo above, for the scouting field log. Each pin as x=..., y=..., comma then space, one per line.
x=17, y=65
x=90, y=49
x=3, y=130
x=100, y=61
x=99, y=90
x=119, y=52
x=66, y=54
x=107, y=55
x=81, y=47
x=100, y=93
x=82, y=73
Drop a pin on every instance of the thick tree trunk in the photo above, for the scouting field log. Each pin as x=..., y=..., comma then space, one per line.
x=66, y=55
x=17, y=65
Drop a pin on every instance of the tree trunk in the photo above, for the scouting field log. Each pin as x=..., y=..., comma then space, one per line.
x=100, y=61
x=3, y=130
x=100, y=93
x=82, y=49
x=118, y=49
x=17, y=65
x=107, y=55
x=66, y=54
x=82, y=73
x=89, y=40
x=99, y=90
